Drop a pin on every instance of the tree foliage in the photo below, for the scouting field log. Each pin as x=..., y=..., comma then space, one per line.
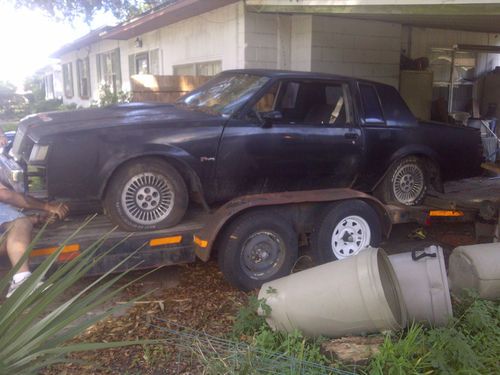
x=71, y=9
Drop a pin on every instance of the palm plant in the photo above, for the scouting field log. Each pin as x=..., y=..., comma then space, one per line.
x=33, y=333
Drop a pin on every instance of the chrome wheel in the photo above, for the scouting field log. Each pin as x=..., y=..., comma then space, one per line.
x=147, y=198
x=351, y=235
x=262, y=255
x=408, y=183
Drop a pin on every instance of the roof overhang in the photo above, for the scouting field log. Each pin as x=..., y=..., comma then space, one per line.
x=173, y=13
x=478, y=15
x=92, y=37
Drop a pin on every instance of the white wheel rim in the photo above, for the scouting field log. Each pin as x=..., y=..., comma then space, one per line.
x=147, y=198
x=408, y=183
x=350, y=236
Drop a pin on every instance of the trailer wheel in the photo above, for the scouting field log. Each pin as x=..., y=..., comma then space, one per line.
x=344, y=229
x=147, y=194
x=257, y=247
x=405, y=182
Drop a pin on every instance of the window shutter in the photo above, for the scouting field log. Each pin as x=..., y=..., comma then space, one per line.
x=115, y=63
x=131, y=65
x=154, y=62
x=99, y=71
x=79, y=72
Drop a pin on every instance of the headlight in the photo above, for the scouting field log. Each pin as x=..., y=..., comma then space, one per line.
x=39, y=153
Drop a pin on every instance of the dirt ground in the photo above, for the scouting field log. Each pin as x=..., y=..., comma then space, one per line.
x=197, y=296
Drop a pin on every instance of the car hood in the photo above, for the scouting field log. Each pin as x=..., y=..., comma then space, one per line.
x=131, y=114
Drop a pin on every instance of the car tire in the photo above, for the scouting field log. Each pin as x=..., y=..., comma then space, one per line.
x=405, y=182
x=147, y=194
x=343, y=230
x=257, y=247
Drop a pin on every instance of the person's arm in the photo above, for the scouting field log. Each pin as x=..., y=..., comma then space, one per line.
x=3, y=139
x=27, y=202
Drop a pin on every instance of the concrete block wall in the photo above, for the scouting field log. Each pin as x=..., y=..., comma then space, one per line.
x=358, y=48
x=261, y=41
x=301, y=43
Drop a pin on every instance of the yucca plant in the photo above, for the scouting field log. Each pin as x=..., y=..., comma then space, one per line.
x=36, y=322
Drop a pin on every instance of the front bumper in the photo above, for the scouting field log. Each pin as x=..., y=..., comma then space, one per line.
x=12, y=174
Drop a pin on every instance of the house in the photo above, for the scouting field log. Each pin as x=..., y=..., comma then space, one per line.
x=52, y=81
x=459, y=38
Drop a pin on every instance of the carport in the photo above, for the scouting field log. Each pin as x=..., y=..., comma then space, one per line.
x=442, y=55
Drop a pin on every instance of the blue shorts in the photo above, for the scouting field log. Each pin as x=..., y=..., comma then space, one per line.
x=9, y=213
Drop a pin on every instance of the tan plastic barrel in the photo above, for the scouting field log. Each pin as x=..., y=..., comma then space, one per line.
x=424, y=285
x=356, y=295
x=476, y=267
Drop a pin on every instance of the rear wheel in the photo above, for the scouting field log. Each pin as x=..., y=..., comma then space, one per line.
x=257, y=247
x=344, y=229
x=405, y=182
x=147, y=194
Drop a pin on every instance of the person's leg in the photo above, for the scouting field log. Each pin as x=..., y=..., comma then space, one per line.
x=17, y=240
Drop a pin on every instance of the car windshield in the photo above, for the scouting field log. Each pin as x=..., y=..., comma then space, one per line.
x=224, y=94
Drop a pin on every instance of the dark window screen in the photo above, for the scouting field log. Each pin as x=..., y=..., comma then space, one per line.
x=371, y=105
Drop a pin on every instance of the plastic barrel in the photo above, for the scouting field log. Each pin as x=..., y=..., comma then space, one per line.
x=424, y=284
x=356, y=295
x=476, y=267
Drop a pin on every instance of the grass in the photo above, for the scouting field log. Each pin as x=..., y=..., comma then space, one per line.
x=469, y=344
x=8, y=126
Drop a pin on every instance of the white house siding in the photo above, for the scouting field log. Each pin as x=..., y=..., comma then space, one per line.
x=358, y=48
x=212, y=36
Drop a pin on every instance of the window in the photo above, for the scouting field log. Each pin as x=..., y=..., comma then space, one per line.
x=312, y=102
x=210, y=68
x=83, y=74
x=453, y=69
x=371, y=104
x=108, y=70
x=144, y=63
x=224, y=94
x=268, y=101
x=49, y=87
x=68, y=80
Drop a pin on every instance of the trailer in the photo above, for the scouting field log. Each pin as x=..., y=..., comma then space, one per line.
x=257, y=237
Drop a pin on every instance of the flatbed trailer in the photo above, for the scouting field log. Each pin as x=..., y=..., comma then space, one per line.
x=201, y=231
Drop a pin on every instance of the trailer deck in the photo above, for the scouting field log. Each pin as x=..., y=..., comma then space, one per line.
x=462, y=201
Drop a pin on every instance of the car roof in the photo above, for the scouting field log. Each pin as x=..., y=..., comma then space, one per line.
x=272, y=73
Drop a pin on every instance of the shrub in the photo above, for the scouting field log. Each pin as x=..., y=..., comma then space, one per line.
x=35, y=334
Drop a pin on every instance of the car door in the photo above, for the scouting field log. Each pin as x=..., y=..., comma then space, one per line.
x=311, y=143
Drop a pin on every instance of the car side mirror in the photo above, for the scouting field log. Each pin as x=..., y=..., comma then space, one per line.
x=269, y=118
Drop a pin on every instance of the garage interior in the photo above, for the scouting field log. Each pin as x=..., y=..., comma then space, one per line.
x=450, y=55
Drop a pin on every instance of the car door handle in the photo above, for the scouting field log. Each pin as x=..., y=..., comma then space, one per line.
x=351, y=135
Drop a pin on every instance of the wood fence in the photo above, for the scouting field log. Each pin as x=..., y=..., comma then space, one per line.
x=165, y=89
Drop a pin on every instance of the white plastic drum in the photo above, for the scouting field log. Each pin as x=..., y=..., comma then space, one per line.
x=424, y=284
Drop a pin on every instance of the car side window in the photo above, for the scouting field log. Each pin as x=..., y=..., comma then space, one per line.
x=313, y=102
x=267, y=102
x=371, y=104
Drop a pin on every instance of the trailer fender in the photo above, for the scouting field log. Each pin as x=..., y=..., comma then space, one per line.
x=206, y=237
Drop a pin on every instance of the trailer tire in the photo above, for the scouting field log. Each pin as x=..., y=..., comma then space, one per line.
x=344, y=229
x=146, y=194
x=257, y=247
x=405, y=182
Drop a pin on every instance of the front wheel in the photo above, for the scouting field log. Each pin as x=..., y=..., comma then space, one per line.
x=257, y=247
x=147, y=194
x=344, y=229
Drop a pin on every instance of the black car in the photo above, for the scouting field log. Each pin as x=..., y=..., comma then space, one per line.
x=245, y=131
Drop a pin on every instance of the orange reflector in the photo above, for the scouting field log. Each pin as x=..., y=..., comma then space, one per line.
x=445, y=213
x=201, y=243
x=50, y=250
x=165, y=241
x=68, y=256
